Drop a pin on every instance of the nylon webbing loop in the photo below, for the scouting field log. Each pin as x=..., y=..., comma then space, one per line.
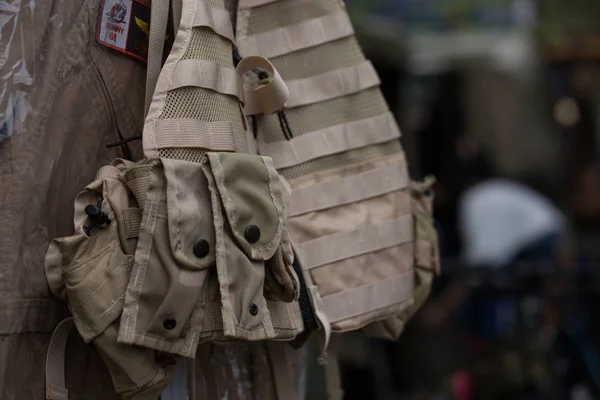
x=208, y=75
x=291, y=38
x=365, y=299
x=327, y=86
x=349, y=189
x=55, y=361
x=332, y=140
x=331, y=248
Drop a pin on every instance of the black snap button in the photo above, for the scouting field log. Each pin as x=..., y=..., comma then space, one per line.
x=252, y=233
x=253, y=309
x=169, y=324
x=201, y=248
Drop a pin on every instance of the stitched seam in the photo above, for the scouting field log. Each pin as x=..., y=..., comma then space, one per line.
x=79, y=307
x=277, y=236
x=115, y=302
x=104, y=252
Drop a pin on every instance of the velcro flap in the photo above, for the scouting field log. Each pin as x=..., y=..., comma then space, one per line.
x=254, y=200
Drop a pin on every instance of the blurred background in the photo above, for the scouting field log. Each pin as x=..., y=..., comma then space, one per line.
x=500, y=100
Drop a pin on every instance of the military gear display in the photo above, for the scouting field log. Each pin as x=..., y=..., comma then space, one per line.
x=191, y=243
x=356, y=221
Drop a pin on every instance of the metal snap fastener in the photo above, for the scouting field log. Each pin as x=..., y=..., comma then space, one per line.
x=253, y=309
x=169, y=324
x=201, y=248
x=252, y=233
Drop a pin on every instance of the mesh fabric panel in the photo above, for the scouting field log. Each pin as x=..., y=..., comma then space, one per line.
x=319, y=59
x=201, y=104
x=207, y=45
x=185, y=154
x=342, y=159
x=312, y=117
x=288, y=12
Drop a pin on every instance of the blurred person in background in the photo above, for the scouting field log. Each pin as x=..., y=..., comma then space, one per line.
x=503, y=222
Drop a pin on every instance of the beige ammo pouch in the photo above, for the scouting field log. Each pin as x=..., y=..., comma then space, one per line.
x=362, y=232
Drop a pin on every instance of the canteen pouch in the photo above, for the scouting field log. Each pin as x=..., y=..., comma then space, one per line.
x=91, y=269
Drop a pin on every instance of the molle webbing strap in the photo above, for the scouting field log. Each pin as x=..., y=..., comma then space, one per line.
x=349, y=189
x=132, y=218
x=296, y=37
x=332, y=84
x=332, y=140
x=193, y=133
x=339, y=246
x=368, y=298
x=208, y=75
x=55, y=361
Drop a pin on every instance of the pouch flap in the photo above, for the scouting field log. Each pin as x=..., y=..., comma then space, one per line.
x=254, y=199
x=191, y=228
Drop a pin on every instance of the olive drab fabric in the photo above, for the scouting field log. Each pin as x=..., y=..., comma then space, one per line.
x=363, y=234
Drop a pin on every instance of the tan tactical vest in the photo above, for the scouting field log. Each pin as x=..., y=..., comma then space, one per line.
x=191, y=243
x=356, y=220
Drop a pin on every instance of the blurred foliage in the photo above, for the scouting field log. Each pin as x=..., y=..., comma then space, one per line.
x=561, y=20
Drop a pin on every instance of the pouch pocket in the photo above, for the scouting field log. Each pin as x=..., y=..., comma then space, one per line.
x=96, y=287
x=175, y=251
x=249, y=201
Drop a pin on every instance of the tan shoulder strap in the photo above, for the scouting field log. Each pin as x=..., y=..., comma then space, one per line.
x=159, y=18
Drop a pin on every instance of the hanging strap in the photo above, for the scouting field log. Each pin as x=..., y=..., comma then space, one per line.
x=176, y=9
x=55, y=361
x=159, y=18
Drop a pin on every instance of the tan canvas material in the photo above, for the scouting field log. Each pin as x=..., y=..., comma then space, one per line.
x=91, y=269
x=362, y=233
x=188, y=245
